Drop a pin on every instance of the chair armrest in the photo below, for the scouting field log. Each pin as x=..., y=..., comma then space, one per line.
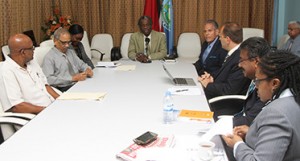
x=13, y=121
x=102, y=54
x=219, y=98
x=26, y=116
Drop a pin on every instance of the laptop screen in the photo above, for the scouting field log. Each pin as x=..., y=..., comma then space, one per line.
x=169, y=74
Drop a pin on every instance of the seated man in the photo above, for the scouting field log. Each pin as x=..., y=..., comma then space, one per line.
x=24, y=87
x=212, y=54
x=61, y=65
x=230, y=79
x=147, y=45
x=293, y=43
x=251, y=50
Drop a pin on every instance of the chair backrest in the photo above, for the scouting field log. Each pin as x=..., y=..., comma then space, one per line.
x=7, y=130
x=189, y=45
x=282, y=41
x=47, y=43
x=103, y=43
x=86, y=44
x=5, y=50
x=252, y=32
x=124, y=45
x=39, y=54
x=30, y=34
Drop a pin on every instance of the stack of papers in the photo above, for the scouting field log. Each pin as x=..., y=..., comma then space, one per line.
x=82, y=96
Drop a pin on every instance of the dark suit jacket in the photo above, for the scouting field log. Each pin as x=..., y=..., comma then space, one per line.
x=229, y=80
x=252, y=107
x=214, y=59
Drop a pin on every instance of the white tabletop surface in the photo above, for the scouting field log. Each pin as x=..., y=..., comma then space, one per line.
x=87, y=130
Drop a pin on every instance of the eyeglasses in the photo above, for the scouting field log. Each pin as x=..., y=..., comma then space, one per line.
x=242, y=60
x=64, y=42
x=257, y=81
x=32, y=48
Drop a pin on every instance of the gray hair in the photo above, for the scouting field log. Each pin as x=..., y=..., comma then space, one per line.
x=60, y=31
x=213, y=22
x=295, y=22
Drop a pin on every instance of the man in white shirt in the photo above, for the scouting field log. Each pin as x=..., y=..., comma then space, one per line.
x=24, y=87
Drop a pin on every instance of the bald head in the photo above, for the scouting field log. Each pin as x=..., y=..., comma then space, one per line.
x=18, y=41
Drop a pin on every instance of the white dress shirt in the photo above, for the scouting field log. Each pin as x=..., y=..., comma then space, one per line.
x=23, y=85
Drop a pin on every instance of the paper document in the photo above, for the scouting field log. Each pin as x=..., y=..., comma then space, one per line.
x=222, y=127
x=125, y=68
x=107, y=64
x=195, y=115
x=184, y=91
x=82, y=96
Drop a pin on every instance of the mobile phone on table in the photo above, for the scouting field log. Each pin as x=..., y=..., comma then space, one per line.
x=145, y=138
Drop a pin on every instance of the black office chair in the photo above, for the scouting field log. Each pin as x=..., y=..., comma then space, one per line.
x=31, y=35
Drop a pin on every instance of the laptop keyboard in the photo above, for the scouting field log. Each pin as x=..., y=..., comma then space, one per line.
x=180, y=81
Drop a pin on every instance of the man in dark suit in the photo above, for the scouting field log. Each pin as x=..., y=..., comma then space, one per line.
x=212, y=54
x=251, y=50
x=230, y=79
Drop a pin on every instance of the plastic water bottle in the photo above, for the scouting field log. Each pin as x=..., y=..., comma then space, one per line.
x=168, y=108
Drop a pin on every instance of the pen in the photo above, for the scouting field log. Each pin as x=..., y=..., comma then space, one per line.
x=181, y=90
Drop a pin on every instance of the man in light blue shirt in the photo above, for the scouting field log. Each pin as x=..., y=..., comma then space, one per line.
x=293, y=43
x=61, y=65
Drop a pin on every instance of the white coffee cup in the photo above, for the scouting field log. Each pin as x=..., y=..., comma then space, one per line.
x=206, y=148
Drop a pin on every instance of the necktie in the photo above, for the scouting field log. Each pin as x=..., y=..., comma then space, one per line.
x=251, y=88
x=70, y=68
x=205, y=54
x=290, y=46
x=147, y=50
x=225, y=59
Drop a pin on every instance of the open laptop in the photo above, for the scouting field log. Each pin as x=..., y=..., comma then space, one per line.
x=180, y=81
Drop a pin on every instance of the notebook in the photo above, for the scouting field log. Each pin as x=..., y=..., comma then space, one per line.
x=180, y=81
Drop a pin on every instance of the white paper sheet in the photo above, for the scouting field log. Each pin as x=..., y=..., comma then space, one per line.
x=82, y=96
x=125, y=68
x=222, y=127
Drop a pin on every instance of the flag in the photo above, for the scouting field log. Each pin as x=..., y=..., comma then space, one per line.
x=151, y=9
x=166, y=17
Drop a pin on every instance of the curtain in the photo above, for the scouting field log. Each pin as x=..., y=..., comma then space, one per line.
x=118, y=17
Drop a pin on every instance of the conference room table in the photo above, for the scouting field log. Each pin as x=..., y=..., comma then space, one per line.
x=92, y=130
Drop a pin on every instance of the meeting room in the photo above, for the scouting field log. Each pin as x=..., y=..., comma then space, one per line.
x=141, y=80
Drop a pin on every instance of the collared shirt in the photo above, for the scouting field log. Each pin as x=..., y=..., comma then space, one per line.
x=230, y=52
x=56, y=68
x=210, y=45
x=208, y=49
x=285, y=93
x=295, y=48
x=23, y=85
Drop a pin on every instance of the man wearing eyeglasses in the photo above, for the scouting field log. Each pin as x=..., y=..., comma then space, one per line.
x=24, y=87
x=293, y=43
x=61, y=65
x=251, y=50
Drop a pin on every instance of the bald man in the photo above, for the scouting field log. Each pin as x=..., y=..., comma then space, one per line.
x=24, y=87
